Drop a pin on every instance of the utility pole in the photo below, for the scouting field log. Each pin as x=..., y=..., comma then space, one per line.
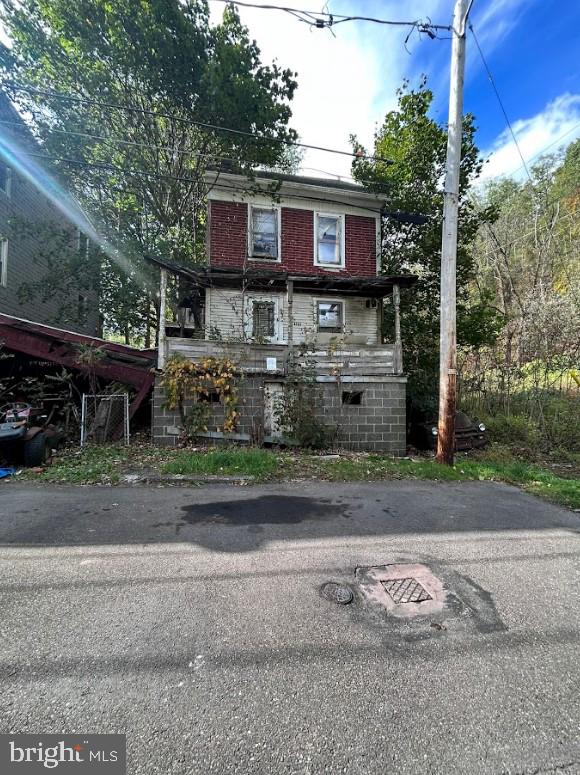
x=448, y=329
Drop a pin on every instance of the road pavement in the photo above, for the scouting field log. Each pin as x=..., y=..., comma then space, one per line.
x=191, y=619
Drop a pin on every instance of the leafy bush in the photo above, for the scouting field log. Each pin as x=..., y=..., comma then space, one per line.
x=297, y=418
x=541, y=421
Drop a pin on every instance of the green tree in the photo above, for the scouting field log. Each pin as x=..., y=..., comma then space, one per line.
x=144, y=171
x=528, y=261
x=414, y=184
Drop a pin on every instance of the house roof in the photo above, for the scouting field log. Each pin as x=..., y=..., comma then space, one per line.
x=229, y=185
x=120, y=362
x=267, y=279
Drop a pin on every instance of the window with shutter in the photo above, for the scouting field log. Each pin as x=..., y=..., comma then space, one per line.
x=263, y=320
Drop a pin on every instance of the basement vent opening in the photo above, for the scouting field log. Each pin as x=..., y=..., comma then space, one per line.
x=210, y=398
x=352, y=397
x=406, y=591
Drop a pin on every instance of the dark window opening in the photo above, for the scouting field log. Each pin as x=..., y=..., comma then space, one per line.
x=352, y=397
x=263, y=320
x=213, y=397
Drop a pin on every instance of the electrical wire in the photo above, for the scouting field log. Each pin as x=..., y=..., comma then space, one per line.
x=131, y=143
x=524, y=236
x=499, y=99
x=545, y=148
x=179, y=119
x=178, y=178
x=171, y=149
x=324, y=19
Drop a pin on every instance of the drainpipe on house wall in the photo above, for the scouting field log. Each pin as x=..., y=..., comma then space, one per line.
x=161, y=338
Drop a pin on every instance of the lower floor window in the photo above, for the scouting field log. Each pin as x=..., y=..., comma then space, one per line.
x=263, y=320
x=330, y=317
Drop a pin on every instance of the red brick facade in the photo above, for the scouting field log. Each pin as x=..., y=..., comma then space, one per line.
x=228, y=241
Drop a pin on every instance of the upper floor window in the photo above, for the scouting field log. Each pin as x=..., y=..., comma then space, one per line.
x=329, y=242
x=5, y=179
x=3, y=262
x=263, y=233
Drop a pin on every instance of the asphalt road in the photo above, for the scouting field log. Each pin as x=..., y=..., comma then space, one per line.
x=191, y=619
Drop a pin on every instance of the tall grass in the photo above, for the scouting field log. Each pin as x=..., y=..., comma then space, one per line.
x=229, y=462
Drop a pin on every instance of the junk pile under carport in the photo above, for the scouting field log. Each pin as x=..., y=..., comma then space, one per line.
x=44, y=372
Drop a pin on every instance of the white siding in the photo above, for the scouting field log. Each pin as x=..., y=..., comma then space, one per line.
x=228, y=313
x=360, y=321
x=225, y=312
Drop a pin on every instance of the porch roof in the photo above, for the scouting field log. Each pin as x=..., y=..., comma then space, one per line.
x=268, y=279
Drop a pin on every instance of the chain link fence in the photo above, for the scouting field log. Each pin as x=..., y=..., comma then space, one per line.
x=104, y=418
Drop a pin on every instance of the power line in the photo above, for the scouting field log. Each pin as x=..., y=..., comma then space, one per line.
x=324, y=19
x=179, y=119
x=524, y=236
x=496, y=91
x=171, y=149
x=177, y=178
x=101, y=138
x=550, y=145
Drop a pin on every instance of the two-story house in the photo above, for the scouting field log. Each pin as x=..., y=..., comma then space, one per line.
x=37, y=239
x=292, y=276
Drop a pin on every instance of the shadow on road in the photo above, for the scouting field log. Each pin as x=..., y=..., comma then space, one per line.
x=232, y=519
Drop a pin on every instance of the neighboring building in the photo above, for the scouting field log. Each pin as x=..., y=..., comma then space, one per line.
x=35, y=235
x=294, y=277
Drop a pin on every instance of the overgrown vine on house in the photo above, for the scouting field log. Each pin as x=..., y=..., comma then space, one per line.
x=188, y=382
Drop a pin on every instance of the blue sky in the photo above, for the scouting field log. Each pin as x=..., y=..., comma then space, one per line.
x=348, y=82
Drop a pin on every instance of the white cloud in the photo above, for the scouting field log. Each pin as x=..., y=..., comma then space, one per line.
x=492, y=22
x=558, y=124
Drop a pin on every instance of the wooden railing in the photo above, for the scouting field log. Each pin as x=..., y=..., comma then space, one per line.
x=278, y=359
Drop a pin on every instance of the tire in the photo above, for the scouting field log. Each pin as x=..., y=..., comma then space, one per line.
x=36, y=451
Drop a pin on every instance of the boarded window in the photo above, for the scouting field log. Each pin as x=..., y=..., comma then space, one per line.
x=330, y=317
x=263, y=320
x=328, y=240
x=264, y=233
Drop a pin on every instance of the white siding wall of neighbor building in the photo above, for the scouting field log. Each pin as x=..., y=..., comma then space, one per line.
x=228, y=315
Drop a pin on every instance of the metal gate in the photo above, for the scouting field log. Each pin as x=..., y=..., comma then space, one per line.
x=104, y=418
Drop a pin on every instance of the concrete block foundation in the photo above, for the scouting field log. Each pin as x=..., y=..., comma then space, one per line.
x=368, y=413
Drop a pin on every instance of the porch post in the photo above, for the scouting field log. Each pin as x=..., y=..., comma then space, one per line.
x=290, y=303
x=161, y=338
x=398, y=343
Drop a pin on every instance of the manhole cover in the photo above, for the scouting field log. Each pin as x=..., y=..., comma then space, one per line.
x=337, y=593
x=406, y=591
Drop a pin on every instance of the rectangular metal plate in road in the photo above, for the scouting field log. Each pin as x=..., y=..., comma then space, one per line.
x=406, y=591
